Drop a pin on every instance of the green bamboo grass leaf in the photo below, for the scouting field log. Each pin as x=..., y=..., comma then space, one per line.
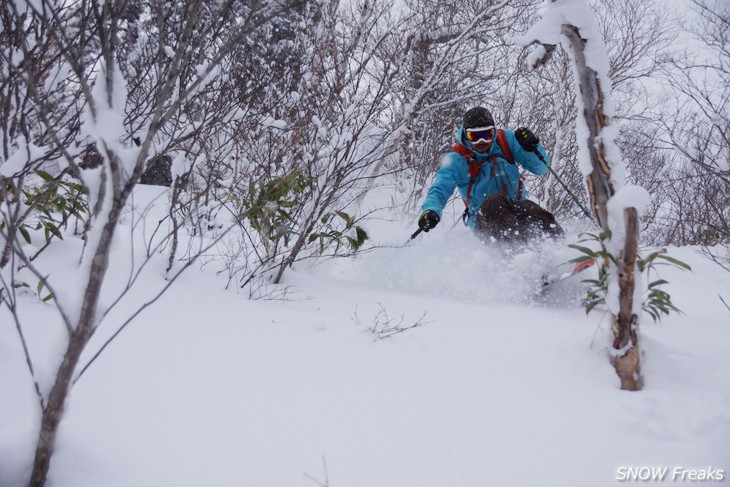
x=24, y=232
x=584, y=250
x=674, y=261
x=44, y=175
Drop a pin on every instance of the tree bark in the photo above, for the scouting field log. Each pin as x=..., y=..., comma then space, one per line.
x=78, y=340
x=626, y=343
x=600, y=185
x=625, y=351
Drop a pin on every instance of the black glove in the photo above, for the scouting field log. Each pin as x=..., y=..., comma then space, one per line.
x=428, y=220
x=527, y=139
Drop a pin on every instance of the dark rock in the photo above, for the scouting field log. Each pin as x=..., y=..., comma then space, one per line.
x=158, y=172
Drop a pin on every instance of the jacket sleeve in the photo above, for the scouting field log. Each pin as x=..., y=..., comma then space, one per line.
x=444, y=184
x=528, y=160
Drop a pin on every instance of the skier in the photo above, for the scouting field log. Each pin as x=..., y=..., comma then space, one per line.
x=489, y=181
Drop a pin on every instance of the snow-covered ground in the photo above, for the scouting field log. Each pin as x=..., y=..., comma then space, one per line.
x=496, y=388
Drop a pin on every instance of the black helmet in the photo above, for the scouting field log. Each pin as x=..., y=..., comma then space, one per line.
x=478, y=117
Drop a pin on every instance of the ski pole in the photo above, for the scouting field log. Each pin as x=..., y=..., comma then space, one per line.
x=416, y=233
x=585, y=212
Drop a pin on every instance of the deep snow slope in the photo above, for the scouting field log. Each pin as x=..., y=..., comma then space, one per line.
x=495, y=387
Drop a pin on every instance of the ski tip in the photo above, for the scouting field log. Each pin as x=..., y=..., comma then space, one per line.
x=584, y=265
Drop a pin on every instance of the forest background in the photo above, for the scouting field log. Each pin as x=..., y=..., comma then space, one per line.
x=290, y=128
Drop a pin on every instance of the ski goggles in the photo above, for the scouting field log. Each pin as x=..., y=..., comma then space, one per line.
x=479, y=134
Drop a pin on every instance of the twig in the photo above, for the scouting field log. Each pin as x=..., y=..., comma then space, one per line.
x=723, y=301
x=11, y=301
x=326, y=482
x=382, y=325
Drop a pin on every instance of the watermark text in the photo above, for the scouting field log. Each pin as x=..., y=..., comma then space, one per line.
x=675, y=474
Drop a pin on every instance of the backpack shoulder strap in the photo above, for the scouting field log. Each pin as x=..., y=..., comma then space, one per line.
x=470, y=157
x=507, y=151
x=474, y=168
x=504, y=145
x=462, y=151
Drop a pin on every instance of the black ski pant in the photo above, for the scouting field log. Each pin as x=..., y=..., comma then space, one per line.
x=514, y=221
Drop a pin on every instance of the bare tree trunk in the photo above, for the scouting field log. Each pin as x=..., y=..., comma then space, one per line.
x=74, y=53
x=626, y=343
x=625, y=351
x=600, y=185
x=53, y=412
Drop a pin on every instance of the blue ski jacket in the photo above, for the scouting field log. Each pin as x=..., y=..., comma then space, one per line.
x=496, y=175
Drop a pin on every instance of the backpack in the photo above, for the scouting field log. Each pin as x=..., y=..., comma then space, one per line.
x=475, y=167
